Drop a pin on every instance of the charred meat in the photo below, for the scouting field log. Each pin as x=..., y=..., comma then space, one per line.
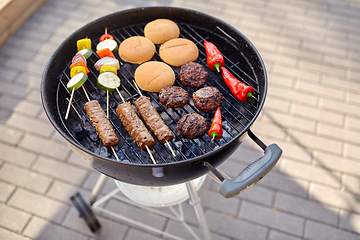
x=135, y=126
x=101, y=123
x=207, y=99
x=192, y=125
x=193, y=75
x=153, y=120
x=174, y=97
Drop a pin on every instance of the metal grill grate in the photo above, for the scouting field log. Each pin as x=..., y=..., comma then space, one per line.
x=236, y=115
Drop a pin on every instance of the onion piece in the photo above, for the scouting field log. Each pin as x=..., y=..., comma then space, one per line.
x=107, y=61
x=79, y=58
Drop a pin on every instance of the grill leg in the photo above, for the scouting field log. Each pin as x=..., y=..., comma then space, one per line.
x=196, y=203
x=97, y=188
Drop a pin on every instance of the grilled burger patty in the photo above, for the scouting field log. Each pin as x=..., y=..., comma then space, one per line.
x=174, y=97
x=193, y=75
x=153, y=120
x=207, y=99
x=101, y=123
x=135, y=126
x=192, y=125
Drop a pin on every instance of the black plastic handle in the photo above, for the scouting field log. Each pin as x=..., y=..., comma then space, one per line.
x=252, y=173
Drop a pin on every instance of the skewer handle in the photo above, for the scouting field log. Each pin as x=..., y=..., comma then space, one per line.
x=68, y=109
x=151, y=156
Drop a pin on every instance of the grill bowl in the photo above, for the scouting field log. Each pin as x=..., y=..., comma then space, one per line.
x=241, y=58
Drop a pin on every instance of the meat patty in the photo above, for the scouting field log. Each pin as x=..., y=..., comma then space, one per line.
x=101, y=123
x=207, y=99
x=153, y=120
x=174, y=97
x=135, y=126
x=193, y=75
x=192, y=125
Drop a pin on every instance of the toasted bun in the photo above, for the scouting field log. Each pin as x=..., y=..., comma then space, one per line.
x=178, y=51
x=161, y=30
x=153, y=76
x=136, y=49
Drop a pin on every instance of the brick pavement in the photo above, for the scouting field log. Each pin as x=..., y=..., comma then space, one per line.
x=312, y=111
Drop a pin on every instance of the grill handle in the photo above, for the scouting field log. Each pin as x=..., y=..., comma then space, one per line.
x=252, y=173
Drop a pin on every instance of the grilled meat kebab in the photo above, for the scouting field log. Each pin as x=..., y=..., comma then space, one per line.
x=135, y=126
x=101, y=123
x=174, y=97
x=207, y=99
x=192, y=125
x=153, y=120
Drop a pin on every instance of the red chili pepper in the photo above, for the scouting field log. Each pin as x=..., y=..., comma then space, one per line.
x=215, y=59
x=216, y=131
x=240, y=90
x=106, y=36
x=105, y=53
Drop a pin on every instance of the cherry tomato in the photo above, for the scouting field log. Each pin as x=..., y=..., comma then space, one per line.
x=106, y=36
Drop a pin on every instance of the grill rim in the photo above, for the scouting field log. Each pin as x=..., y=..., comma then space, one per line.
x=262, y=95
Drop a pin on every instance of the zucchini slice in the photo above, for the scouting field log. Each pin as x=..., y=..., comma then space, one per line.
x=85, y=52
x=77, y=81
x=108, y=43
x=108, y=81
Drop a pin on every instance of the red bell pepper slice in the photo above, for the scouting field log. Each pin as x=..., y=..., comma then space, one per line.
x=106, y=52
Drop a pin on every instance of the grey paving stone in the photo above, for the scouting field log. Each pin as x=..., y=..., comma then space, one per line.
x=235, y=228
x=337, y=163
x=25, y=178
x=13, y=219
x=64, y=191
x=26, y=124
x=350, y=221
x=319, y=231
x=39, y=228
x=44, y=146
x=318, y=114
x=272, y=219
x=284, y=183
x=60, y=170
x=135, y=234
x=10, y=136
x=6, y=234
x=109, y=230
x=311, y=173
x=28, y=108
x=338, y=133
x=16, y=155
x=352, y=151
x=306, y=208
x=351, y=184
x=217, y=202
x=38, y=205
x=275, y=235
x=135, y=213
x=315, y=142
x=177, y=229
x=333, y=197
x=5, y=191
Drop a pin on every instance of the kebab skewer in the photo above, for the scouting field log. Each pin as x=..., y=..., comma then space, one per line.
x=153, y=120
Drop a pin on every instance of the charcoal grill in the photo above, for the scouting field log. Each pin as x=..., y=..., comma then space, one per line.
x=194, y=158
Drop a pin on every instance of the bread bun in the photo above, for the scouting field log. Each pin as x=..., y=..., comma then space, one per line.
x=136, y=49
x=161, y=30
x=178, y=51
x=152, y=76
